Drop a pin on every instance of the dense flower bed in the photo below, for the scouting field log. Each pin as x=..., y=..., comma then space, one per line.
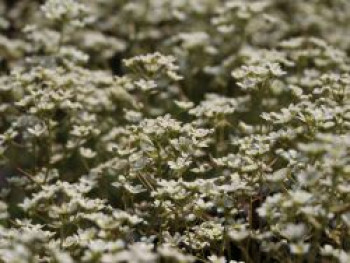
x=175, y=131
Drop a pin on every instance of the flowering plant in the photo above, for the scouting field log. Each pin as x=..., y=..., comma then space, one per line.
x=174, y=131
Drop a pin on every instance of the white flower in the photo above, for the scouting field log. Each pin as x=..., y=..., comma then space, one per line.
x=239, y=235
x=300, y=196
x=294, y=231
x=146, y=85
x=38, y=130
x=154, y=64
x=87, y=152
x=63, y=10
x=185, y=105
x=180, y=163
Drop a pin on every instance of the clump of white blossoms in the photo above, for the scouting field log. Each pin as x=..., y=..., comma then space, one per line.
x=174, y=131
x=61, y=11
